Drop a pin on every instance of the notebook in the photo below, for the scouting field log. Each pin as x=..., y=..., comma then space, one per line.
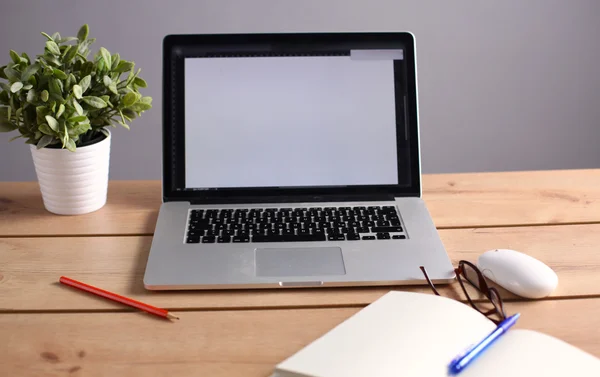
x=416, y=335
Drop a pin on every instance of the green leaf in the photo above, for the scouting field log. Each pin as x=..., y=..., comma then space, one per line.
x=44, y=141
x=95, y=102
x=47, y=36
x=106, y=99
x=66, y=50
x=124, y=66
x=113, y=88
x=30, y=71
x=45, y=129
x=70, y=55
x=79, y=129
x=5, y=125
x=87, y=68
x=77, y=119
x=13, y=138
x=85, y=83
x=77, y=107
x=52, y=59
x=116, y=58
x=53, y=47
x=44, y=96
x=27, y=87
x=71, y=145
x=146, y=99
x=52, y=122
x=2, y=74
x=65, y=135
x=60, y=74
x=77, y=91
x=106, y=56
x=8, y=113
x=140, y=106
x=5, y=86
x=129, y=114
x=67, y=39
x=56, y=37
x=41, y=112
x=107, y=81
x=124, y=125
x=31, y=95
x=54, y=86
x=129, y=99
x=12, y=75
x=24, y=55
x=16, y=86
x=15, y=57
x=140, y=82
x=61, y=110
x=83, y=32
x=70, y=81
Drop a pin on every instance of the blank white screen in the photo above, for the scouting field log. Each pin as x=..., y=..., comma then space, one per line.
x=289, y=121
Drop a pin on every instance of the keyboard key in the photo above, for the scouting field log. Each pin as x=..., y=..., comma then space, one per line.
x=383, y=236
x=283, y=238
x=193, y=240
x=368, y=237
x=352, y=237
x=386, y=229
x=238, y=239
x=208, y=239
x=224, y=239
x=395, y=222
x=398, y=236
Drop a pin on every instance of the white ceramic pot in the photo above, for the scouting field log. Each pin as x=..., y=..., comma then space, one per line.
x=73, y=183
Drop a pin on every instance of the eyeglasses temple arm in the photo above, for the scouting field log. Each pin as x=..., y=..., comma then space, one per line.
x=429, y=281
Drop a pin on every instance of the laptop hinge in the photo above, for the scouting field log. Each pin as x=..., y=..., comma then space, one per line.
x=290, y=199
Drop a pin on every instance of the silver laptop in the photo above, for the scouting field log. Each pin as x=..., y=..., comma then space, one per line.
x=292, y=160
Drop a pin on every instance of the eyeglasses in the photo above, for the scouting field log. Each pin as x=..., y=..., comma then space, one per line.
x=467, y=271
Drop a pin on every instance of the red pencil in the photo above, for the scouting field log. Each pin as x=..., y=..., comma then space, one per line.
x=115, y=297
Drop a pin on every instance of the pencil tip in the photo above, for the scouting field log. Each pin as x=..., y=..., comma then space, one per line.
x=171, y=316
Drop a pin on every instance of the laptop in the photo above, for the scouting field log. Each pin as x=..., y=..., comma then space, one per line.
x=292, y=160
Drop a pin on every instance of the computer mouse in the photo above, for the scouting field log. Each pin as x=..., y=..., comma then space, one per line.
x=518, y=273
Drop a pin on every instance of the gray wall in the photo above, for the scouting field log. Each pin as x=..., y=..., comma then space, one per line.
x=512, y=85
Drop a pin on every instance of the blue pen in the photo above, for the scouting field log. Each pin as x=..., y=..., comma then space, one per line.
x=464, y=359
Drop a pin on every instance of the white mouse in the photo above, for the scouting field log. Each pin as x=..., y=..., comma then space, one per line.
x=518, y=273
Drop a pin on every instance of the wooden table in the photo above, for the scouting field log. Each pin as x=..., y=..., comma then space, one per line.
x=50, y=330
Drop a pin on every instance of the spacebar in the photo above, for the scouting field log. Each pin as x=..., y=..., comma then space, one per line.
x=298, y=238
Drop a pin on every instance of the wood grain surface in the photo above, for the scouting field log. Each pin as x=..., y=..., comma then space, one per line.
x=454, y=200
x=217, y=343
x=31, y=267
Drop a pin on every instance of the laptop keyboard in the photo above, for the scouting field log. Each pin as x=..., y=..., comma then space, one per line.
x=294, y=224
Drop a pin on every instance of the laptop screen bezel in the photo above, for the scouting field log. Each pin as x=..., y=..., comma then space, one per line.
x=177, y=47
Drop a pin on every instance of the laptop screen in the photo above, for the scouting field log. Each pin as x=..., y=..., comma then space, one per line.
x=292, y=121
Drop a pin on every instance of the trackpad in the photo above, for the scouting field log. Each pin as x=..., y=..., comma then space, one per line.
x=308, y=261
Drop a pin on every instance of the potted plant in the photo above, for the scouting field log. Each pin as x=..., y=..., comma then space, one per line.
x=62, y=104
